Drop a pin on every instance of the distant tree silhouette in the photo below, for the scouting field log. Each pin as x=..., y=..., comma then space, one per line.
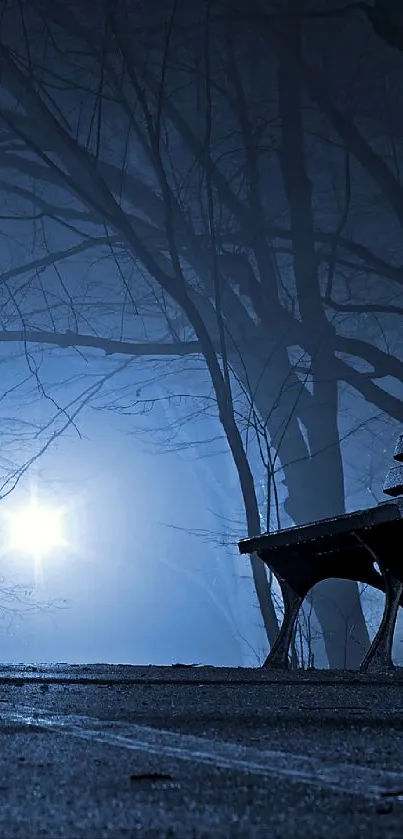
x=218, y=175
x=385, y=17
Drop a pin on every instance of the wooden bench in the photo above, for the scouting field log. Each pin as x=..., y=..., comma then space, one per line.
x=353, y=547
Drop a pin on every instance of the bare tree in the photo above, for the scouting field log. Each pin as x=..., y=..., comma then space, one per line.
x=156, y=141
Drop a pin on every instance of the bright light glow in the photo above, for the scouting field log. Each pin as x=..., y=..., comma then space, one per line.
x=35, y=529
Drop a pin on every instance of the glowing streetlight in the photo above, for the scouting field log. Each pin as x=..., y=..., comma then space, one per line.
x=35, y=529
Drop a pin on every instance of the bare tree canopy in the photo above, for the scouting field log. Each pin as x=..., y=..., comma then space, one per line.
x=181, y=180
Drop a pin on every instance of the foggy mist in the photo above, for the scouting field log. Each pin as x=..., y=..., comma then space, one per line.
x=200, y=317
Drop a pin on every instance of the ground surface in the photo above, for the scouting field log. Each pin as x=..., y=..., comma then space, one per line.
x=121, y=752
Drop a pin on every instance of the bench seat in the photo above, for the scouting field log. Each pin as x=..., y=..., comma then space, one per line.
x=360, y=546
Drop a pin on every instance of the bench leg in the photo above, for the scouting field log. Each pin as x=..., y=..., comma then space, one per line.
x=278, y=655
x=379, y=655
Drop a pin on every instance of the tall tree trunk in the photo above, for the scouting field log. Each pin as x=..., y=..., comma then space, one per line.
x=234, y=439
x=337, y=606
x=314, y=480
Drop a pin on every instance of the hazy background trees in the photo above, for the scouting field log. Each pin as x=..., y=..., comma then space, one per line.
x=212, y=198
